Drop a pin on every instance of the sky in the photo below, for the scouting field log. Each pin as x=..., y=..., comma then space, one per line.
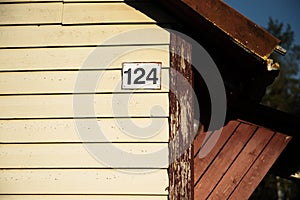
x=259, y=11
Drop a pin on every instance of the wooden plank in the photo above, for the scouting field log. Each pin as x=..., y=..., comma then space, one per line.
x=82, y=197
x=242, y=164
x=240, y=29
x=30, y=1
x=55, y=35
x=68, y=1
x=181, y=120
x=85, y=13
x=78, y=155
x=260, y=167
x=93, y=181
x=66, y=130
x=201, y=164
x=105, y=105
x=36, y=13
x=65, y=82
x=199, y=139
x=223, y=161
x=99, y=0
x=75, y=58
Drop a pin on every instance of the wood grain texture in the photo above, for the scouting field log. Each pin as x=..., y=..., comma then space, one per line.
x=225, y=158
x=104, y=105
x=242, y=164
x=82, y=197
x=55, y=35
x=181, y=114
x=201, y=164
x=260, y=167
x=69, y=130
x=83, y=181
x=80, y=57
x=36, y=13
x=147, y=155
x=65, y=82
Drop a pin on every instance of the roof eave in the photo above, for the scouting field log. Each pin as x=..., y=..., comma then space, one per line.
x=242, y=31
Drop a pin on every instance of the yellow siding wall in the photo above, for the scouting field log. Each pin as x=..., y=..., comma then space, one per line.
x=43, y=45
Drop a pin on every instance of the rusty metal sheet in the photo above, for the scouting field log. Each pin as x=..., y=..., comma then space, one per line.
x=243, y=31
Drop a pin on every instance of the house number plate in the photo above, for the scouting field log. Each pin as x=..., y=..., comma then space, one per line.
x=141, y=75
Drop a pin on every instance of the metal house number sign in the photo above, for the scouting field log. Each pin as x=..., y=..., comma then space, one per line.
x=141, y=75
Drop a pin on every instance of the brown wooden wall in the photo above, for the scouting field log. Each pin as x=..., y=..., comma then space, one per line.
x=238, y=162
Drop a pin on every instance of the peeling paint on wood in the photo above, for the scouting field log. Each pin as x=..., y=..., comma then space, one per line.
x=181, y=114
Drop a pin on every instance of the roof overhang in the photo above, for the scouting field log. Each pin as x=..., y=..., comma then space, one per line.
x=239, y=47
x=240, y=30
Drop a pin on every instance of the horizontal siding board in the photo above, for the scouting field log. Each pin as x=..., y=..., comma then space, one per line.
x=82, y=197
x=77, y=156
x=78, y=58
x=65, y=130
x=105, y=181
x=65, y=82
x=82, y=13
x=11, y=1
x=105, y=105
x=49, y=160
x=36, y=13
x=55, y=35
x=73, y=13
x=99, y=0
x=31, y=1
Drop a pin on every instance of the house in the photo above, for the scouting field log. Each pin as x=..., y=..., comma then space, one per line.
x=72, y=129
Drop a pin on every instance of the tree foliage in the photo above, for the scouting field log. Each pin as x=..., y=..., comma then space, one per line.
x=284, y=93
